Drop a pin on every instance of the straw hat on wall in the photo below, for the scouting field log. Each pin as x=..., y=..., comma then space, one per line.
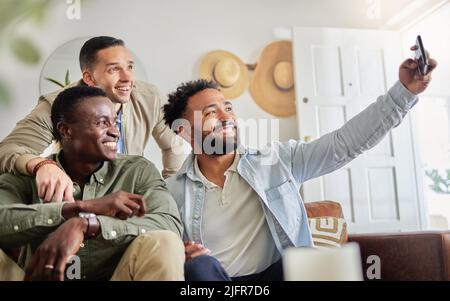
x=272, y=85
x=227, y=70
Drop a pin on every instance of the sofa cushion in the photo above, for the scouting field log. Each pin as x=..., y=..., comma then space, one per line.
x=328, y=231
x=324, y=208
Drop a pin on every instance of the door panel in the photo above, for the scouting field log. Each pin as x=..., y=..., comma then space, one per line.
x=338, y=73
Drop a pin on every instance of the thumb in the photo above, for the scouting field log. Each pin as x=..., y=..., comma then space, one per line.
x=409, y=64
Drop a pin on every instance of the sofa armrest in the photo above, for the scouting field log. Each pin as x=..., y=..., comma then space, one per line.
x=407, y=256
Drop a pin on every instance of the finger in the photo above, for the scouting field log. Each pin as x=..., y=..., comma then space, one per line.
x=42, y=189
x=194, y=248
x=133, y=196
x=189, y=249
x=433, y=64
x=124, y=212
x=38, y=273
x=59, y=192
x=203, y=251
x=47, y=273
x=29, y=271
x=50, y=192
x=409, y=64
x=60, y=268
x=68, y=193
x=133, y=206
x=142, y=208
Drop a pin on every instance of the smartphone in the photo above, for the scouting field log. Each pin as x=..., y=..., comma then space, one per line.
x=421, y=57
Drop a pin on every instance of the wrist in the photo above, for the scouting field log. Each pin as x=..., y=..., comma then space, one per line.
x=31, y=164
x=93, y=224
x=70, y=210
x=81, y=223
x=42, y=163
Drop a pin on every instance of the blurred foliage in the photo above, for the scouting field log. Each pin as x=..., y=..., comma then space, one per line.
x=4, y=92
x=58, y=83
x=13, y=15
x=440, y=184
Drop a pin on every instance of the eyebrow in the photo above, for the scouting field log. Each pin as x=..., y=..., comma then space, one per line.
x=97, y=117
x=117, y=63
x=209, y=106
x=226, y=103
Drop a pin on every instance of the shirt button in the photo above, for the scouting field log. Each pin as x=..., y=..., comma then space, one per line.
x=50, y=221
x=113, y=233
x=74, y=190
x=16, y=228
x=143, y=231
x=101, y=180
x=82, y=245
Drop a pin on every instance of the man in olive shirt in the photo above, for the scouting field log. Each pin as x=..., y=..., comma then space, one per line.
x=105, y=63
x=133, y=229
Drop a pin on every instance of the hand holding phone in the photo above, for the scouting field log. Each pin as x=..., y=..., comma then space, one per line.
x=421, y=57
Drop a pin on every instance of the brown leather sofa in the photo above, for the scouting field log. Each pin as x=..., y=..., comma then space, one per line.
x=403, y=256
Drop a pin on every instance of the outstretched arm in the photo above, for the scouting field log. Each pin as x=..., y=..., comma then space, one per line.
x=333, y=150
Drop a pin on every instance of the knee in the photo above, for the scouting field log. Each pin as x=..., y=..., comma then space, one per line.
x=201, y=267
x=163, y=241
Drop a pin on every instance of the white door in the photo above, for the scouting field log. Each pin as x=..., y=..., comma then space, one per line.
x=339, y=72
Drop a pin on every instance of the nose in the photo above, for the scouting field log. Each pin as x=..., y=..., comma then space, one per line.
x=113, y=131
x=126, y=75
x=224, y=115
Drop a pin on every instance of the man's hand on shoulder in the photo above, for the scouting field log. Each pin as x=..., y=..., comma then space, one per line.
x=53, y=184
x=411, y=79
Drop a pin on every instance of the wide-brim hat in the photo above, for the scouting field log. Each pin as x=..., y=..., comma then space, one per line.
x=272, y=86
x=227, y=70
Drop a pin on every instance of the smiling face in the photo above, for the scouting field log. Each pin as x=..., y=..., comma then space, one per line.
x=113, y=73
x=93, y=134
x=209, y=113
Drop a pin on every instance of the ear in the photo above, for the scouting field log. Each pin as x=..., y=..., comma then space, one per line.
x=88, y=78
x=64, y=131
x=183, y=133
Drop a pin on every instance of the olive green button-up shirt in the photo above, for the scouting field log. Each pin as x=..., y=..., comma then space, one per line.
x=26, y=220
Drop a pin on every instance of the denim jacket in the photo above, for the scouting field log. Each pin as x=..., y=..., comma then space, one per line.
x=277, y=171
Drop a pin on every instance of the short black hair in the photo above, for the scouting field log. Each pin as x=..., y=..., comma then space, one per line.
x=88, y=53
x=177, y=101
x=66, y=103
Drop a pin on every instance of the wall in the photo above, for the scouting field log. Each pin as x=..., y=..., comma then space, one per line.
x=170, y=37
x=435, y=32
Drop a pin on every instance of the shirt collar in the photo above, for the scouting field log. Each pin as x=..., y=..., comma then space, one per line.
x=99, y=176
x=209, y=184
x=188, y=166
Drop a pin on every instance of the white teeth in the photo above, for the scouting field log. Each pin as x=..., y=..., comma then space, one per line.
x=124, y=89
x=111, y=145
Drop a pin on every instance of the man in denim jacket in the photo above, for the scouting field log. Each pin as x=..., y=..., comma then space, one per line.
x=241, y=207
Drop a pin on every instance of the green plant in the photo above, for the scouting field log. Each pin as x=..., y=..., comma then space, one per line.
x=14, y=14
x=58, y=83
x=440, y=183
